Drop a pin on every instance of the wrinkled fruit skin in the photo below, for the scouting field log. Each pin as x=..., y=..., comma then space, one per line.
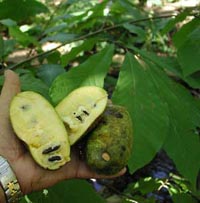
x=37, y=124
x=109, y=145
x=80, y=109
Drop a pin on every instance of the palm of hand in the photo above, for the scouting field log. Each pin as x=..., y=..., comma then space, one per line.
x=31, y=176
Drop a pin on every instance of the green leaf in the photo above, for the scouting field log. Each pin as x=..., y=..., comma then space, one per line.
x=30, y=83
x=85, y=46
x=1, y=48
x=70, y=191
x=48, y=72
x=53, y=57
x=182, y=143
x=9, y=46
x=193, y=80
x=1, y=80
x=59, y=37
x=57, y=28
x=183, y=198
x=91, y=72
x=136, y=91
x=188, y=54
x=21, y=37
x=181, y=36
x=138, y=31
x=171, y=24
x=8, y=22
x=20, y=10
x=17, y=34
x=171, y=65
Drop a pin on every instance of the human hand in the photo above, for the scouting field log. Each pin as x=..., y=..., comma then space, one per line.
x=32, y=177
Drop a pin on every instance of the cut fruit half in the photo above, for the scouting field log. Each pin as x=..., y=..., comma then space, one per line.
x=80, y=109
x=38, y=125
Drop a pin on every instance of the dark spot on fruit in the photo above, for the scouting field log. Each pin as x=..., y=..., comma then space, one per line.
x=54, y=158
x=118, y=115
x=25, y=107
x=51, y=149
x=94, y=105
x=123, y=148
x=104, y=122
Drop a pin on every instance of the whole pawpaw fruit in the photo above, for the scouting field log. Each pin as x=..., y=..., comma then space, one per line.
x=109, y=145
x=38, y=125
x=80, y=109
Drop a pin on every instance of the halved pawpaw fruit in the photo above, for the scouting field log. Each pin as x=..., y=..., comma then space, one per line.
x=80, y=109
x=38, y=125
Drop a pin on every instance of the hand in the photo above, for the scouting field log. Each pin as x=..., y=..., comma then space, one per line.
x=32, y=177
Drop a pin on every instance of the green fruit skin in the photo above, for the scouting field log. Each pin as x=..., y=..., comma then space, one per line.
x=109, y=145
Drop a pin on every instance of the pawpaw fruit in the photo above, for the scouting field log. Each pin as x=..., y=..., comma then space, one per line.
x=109, y=145
x=38, y=125
x=80, y=109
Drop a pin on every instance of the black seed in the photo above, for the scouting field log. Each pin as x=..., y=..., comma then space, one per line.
x=51, y=149
x=86, y=113
x=54, y=158
x=79, y=118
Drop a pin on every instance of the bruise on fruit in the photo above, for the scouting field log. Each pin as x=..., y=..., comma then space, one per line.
x=54, y=158
x=106, y=156
x=51, y=149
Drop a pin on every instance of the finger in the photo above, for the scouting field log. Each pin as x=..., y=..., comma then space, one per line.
x=10, y=88
x=85, y=171
x=11, y=85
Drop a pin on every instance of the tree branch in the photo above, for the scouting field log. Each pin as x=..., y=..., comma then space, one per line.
x=85, y=36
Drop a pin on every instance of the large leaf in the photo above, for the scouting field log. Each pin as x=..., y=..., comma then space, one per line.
x=30, y=83
x=188, y=54
x=172, y=22
x=170, y=65
x=181, y=36
x=48, y=72
x=183, y=198
x=182, y=144
x=20, y=9
x=85, y=46
x=136, y=91
x=70, y=191
x=91, y=72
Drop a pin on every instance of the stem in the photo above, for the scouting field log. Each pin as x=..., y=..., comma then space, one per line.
x=89, y=35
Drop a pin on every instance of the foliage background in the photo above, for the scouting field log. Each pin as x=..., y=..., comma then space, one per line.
x=146, y=58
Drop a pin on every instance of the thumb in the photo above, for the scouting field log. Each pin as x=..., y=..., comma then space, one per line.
x=10, y=88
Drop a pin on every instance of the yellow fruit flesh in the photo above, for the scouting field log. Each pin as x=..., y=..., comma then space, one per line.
x=80, y=109
x=37, y=124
